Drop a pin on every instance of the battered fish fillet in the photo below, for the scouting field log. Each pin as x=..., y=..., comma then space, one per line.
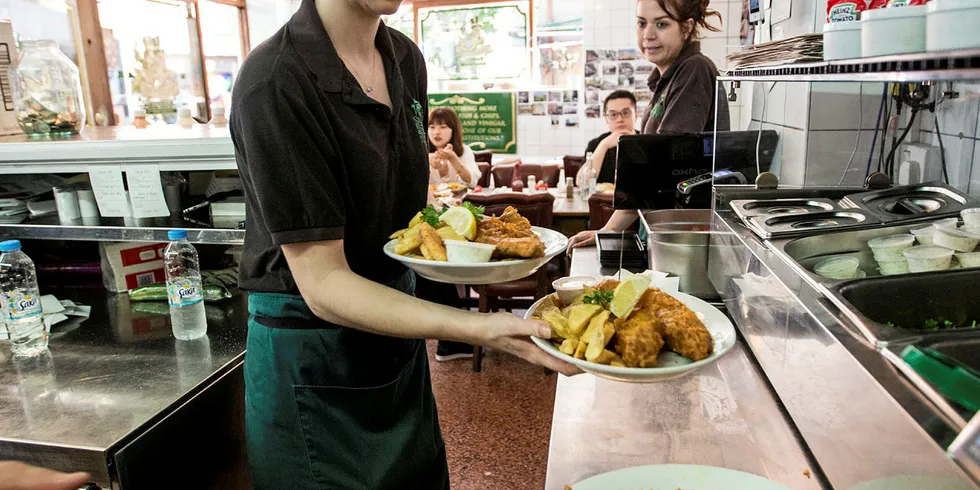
x=637, y=340
x=433, y=248
x=525, y=248
x=512, y=235
x=607, y=285
x=683, y=332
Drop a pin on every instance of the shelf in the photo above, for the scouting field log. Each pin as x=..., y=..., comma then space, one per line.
x=172, y=148
x=117, y=229
x=922, y=67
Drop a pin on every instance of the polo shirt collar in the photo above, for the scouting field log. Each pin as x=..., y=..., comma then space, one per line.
x=313, y=44
x=691, y=49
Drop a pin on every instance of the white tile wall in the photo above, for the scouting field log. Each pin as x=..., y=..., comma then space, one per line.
x=828, y=152
x=974, y=189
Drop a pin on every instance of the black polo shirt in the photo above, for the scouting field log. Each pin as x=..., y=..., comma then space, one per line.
x=608, y=171
x=319, y=159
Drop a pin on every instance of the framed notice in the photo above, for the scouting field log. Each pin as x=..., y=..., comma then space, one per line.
x=488, y=119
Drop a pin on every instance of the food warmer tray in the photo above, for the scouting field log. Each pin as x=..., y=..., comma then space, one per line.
x=745, y=208
x=769, y=227
x=912, y=202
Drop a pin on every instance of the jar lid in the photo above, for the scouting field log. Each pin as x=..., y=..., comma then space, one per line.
x=894, y=13
x=891, y=241
x=139, y=113
x=947, y=5
x=183, y=112
x=851, y=25
x=920, y=253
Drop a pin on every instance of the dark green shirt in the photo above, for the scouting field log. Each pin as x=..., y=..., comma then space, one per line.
x=319, y=159
x=685, y=96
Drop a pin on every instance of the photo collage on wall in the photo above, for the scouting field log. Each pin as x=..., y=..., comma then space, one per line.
x=607, y=70
x=561, y=105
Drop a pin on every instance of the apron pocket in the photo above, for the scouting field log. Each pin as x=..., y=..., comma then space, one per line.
x=369, y=437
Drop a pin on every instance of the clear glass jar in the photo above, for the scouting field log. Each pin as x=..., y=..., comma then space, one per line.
x=47, y=91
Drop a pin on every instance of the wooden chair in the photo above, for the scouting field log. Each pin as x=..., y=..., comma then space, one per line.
x=600, y=209
x=538, y=208
x=484, y=173
x=503, y=175
x=572, y=165
x=485, y=156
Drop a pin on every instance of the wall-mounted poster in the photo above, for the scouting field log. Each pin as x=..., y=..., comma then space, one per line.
x=484, y=42
x=611, y=69
x=489, y=119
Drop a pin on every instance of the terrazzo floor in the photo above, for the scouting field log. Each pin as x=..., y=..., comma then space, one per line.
x=496, y=423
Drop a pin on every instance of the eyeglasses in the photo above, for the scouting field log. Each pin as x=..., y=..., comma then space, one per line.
x=613, y=115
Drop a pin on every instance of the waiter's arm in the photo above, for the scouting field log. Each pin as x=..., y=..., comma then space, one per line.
x=338, y=295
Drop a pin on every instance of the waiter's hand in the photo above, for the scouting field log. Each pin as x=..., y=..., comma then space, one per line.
x=512, y=334
x=19, y=476
x=581, y=239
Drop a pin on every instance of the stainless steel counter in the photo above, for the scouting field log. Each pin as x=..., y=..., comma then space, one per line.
x=115, y=378
x=722, y=415
x=858, y=417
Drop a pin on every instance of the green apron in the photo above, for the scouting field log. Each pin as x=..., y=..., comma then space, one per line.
x=334, y=407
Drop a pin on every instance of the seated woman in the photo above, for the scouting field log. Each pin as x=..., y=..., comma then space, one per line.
x=619, y=109
x=449, y=159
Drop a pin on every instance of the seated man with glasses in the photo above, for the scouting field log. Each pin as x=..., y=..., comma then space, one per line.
x=620, y=112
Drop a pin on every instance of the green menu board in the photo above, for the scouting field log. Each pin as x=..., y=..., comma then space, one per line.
x=489, y=121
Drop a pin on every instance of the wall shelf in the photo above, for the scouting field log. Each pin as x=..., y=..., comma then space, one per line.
x=921, y=67
x=172, y=148
x=117, y=229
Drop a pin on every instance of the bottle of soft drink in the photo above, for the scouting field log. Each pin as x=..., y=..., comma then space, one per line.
x=184, y=287
x=21, y=302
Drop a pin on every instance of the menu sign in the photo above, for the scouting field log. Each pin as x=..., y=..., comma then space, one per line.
x=488, y=119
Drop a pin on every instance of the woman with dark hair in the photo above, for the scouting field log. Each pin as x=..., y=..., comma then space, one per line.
x=449, y=159
x=684, y=85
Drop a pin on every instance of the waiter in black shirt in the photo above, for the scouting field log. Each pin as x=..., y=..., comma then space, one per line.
x=329, y=127
x=619, y=109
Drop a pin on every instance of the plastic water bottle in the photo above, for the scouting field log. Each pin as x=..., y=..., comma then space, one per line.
x=586, y=177
x=21, y=302
x=184, y=287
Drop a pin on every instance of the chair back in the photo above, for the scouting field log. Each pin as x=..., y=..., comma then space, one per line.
x=572, y=165
x=503, y=175
x=485, y=156
x=484, y=173
x=537, y=207
x=600, y=209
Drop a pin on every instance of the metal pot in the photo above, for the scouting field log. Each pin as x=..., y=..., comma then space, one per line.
x=677, y=242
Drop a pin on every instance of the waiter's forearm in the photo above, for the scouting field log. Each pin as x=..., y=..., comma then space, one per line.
x=336, y=294
x=620, y=220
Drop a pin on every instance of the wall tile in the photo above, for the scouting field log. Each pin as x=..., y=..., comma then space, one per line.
x=959, y=158
x=828, y=152
x=792, y=155
x=797, y=105
x=974, y=189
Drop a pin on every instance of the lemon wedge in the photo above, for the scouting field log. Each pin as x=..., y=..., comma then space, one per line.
x=461, y=220
x=627, y=294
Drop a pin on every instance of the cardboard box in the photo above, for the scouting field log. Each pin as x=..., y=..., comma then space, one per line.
x=8, y=57
x=128, y=266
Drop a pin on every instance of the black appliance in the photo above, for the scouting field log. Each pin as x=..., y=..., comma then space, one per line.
x=650, y=167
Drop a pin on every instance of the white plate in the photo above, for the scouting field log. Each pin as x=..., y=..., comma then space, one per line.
x=669, y=364
x=485, y=273
x=671, y=476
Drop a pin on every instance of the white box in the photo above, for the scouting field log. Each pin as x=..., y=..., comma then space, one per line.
x=8, y=57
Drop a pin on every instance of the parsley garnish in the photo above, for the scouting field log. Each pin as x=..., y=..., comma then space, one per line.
x=431, y=216
x=601, y=298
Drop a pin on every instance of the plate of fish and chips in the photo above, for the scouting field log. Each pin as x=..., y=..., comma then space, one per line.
x=460, y=245
x=628, y=331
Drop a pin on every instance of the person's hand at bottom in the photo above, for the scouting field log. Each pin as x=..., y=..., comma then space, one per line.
x=512, y=334
x=581, y=239
x=15, y=475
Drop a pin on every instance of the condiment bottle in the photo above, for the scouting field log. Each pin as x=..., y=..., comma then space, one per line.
x=517, y=185
x=218, y=118
x=139, y=119
x=569, y=187
x=184, y=118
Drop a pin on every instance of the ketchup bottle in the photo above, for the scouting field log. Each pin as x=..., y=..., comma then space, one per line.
x=517, y=185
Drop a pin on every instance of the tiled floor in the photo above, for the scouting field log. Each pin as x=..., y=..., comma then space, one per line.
x=496, y=423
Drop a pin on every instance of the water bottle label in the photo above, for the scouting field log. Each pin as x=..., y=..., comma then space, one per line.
x=185, y=291
x=21, y=305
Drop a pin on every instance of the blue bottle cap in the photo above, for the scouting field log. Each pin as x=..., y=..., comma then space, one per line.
x=177, y=234
x=9, y=245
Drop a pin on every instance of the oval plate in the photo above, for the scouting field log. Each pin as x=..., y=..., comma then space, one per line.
x=669, y=364
x=671, y=476
x=484, y=273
